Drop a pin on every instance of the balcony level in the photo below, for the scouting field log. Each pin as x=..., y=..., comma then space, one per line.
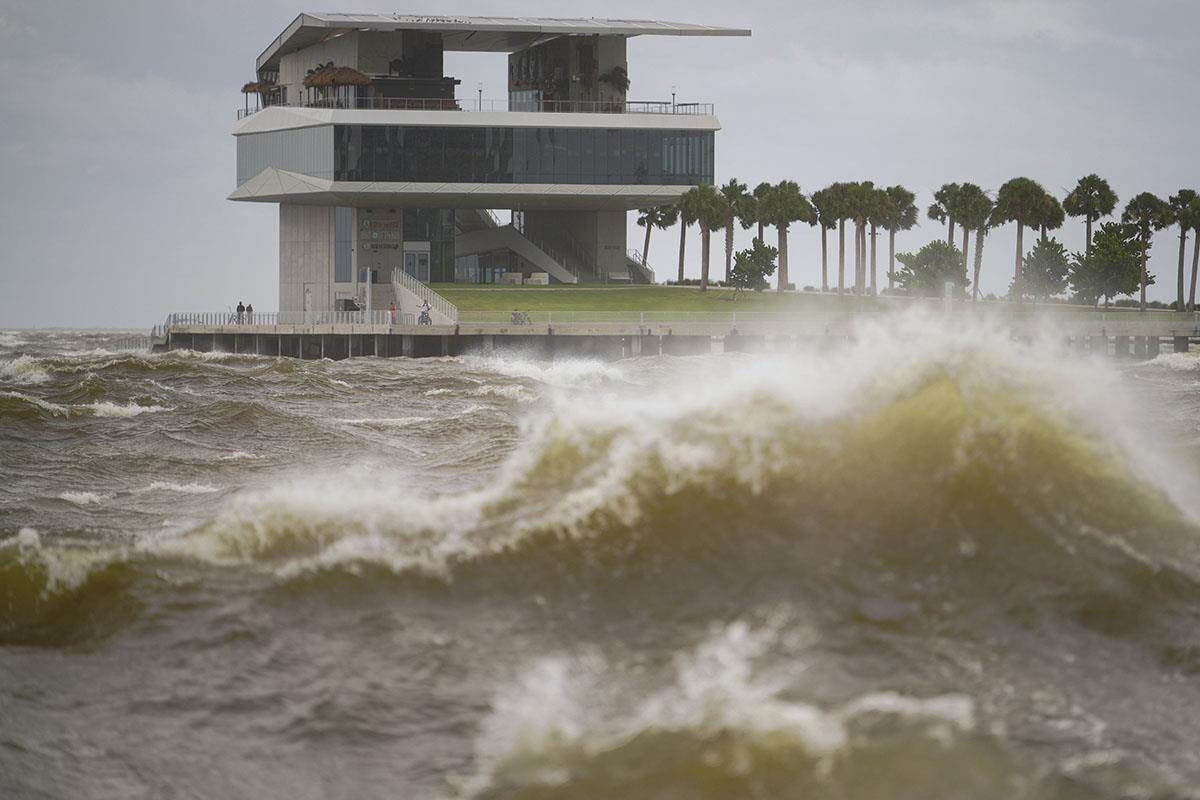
x=666, y=107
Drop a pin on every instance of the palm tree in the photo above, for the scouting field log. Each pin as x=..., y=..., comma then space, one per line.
x=785, y=204
x=1193, y=213
x=942, y=210
x=864, y=201
x=710, y=215
x=880, y=209
x=823, y=204
x=687, y=218
x=661, y=217
x=1020, y=200
x=759, y=195
x=859, y=199
x=1147, y=213
x=839, y=200
x=900, y=214
x=974, y=212
x=734, y=199
x=1050, y=216
x=1092, y=198
x=1180, y=203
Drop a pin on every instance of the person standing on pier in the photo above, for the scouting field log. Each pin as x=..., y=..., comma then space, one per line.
x=241, y=311
x=249, y=313
x=392, y=312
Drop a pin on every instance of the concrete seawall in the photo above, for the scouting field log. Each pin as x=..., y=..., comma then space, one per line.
x=1134, y=337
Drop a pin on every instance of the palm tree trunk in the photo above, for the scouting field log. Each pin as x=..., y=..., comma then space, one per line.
x=824, y=261
x=783, y=265
x=864, y=257
x=862, y=235
x=1145, y=258
x=1195, y=266
x=760, y=231
x=978, y=260
x=682, y=246
x=891, y=258
x=950, y=235
x=646, y=246
x=841, y=256
x=874, y=260
x=856, y=256
x=966, y=247
x=705, y=247
x=1182, y=260
x=1020, y=253
x=1087, y=246
x=728, y=249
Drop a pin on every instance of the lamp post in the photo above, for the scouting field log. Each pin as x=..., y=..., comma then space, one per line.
x=479, y=86
x=673, y=88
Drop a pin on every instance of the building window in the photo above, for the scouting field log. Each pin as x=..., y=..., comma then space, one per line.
x=431, y=154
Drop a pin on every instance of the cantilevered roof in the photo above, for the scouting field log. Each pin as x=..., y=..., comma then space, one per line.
x=479, y=34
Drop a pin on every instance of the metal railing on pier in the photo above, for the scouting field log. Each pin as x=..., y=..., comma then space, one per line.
x=491, y=105
x=270, y=318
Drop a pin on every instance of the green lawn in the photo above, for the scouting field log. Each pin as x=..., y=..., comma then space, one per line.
x=632, y=298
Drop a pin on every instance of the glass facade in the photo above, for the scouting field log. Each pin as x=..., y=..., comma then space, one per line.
x=522, y=155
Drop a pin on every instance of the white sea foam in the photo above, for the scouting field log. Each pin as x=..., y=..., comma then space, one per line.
x=239, y=455
x=508, y=391
x=181, y=488
x=25, y=370
x=85, y=498
x=106, y=409
x=386, y=422
x=1178, y=362
x=564, y=708
x=564, y=373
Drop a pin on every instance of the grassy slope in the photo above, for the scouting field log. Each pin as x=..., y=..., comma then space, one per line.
x=627, y=298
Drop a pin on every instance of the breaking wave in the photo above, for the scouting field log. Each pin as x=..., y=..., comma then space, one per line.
x=721, y=725
x=925, y=469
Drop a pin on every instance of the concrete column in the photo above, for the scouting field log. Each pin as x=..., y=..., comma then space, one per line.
x=445, y=345
x=1153, y=347
x=407, y=345
x=1139, y=346
x=322, y=346
x=1121, y=345
x=489, y=343
x=1180, y=343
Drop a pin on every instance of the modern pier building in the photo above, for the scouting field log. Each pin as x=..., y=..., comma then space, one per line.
x=383, y=178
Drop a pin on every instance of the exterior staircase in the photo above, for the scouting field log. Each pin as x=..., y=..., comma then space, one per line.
x=411, y=294
x=540, y=254
x=637, y=272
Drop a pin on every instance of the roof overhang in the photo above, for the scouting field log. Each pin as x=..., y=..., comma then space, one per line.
x=274, y=185
x=473, y=34
x=278, y=118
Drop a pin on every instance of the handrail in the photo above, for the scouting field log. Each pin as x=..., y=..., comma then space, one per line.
x=436, y=301
x=493, y=105
x=554, y=251
x=642, y=263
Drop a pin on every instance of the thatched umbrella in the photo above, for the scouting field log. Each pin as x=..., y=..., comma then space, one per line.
x=260, y=88
x=336, y=78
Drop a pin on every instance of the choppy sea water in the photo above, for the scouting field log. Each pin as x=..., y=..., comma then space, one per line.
x=935, y=564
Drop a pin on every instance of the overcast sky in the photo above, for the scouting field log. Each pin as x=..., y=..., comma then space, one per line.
x=116, y=154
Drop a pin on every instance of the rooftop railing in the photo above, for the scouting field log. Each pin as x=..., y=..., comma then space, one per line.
x=537, y=106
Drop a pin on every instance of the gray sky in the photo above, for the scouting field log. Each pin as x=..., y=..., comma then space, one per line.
x=116, y=154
